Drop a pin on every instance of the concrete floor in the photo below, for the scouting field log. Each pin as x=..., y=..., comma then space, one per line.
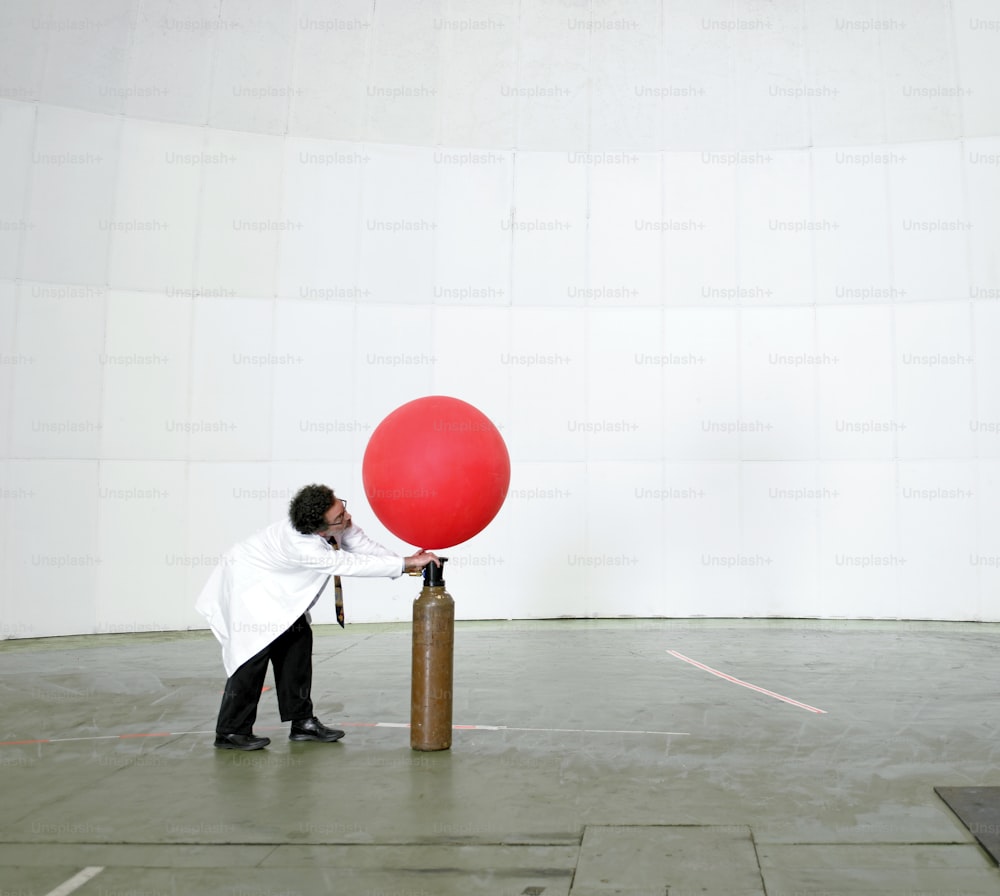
x=604, y=764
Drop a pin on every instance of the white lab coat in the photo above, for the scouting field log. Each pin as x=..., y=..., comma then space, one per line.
x=262, y=585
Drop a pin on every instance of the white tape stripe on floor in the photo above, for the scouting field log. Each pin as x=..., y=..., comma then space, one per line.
x=66, y=740
x=745, y=684
x=571, y=730
x=76, y=881
x=542, y=730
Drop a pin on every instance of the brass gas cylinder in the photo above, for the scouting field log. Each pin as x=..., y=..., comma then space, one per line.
x=433, y=661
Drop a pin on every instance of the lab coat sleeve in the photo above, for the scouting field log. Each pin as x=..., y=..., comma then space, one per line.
x=360, y=556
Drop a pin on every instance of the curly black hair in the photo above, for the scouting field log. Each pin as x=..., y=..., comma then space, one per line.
x=309, y=506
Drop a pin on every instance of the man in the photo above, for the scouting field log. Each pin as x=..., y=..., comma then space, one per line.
x=257, y=603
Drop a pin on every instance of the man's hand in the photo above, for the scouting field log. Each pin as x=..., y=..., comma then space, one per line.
x=415, y=562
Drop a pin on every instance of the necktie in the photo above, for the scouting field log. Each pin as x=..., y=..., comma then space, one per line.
x=338, y=591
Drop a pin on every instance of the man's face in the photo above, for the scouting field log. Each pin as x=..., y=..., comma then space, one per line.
x=337, y=519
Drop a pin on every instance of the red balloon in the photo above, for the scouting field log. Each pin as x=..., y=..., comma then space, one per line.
x=436, y=472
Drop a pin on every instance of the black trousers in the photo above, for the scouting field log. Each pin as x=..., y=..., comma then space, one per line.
x=291, y=655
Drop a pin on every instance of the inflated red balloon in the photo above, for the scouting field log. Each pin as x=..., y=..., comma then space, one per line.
x=436, y=472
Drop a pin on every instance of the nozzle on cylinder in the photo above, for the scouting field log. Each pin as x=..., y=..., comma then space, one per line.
x=434, y=574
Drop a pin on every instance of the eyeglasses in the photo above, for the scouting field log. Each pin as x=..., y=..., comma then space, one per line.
x=340, y=518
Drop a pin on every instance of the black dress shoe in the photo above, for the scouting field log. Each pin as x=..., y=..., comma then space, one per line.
x=314, y=729
x=240, y=742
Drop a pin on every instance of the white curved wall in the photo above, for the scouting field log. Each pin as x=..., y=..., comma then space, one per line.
x=724, y=273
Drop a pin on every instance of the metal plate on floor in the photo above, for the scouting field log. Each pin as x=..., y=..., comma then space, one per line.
x=978, y=808
x=653, y=860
